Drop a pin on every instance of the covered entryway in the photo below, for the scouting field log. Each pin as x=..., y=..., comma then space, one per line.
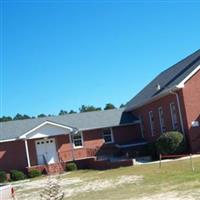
x=44, y=136
x=46, y=151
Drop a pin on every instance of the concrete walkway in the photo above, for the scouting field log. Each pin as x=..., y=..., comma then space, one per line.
x=167, y=160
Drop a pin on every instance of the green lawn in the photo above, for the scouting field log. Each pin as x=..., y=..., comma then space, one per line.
x=174, y=181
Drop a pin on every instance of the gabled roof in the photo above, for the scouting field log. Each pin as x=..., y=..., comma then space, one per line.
x=170, y=79
x=81, y=121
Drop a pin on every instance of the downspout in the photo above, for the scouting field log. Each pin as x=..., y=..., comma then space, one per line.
x=179, y=110
x=27, y=153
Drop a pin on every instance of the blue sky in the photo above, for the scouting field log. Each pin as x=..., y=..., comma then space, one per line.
x=62, y=54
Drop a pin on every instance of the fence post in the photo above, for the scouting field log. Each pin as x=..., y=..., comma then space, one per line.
x=191, y=162
x=160, y=160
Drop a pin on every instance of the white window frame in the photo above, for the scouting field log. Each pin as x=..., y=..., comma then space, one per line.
x=152, y=123
x=174, y=116
x=72, y=139
x=161, y=119
x=141, y=118
x=111, y=134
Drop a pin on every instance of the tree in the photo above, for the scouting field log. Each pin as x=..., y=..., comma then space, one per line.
x=84, y=108
x=26, y=117
x=63, y=112
x=5, y=118
x=170, y=143
x=41, y=115
x=72, y=112
x=109, y=106
x=122, y=105
x=19, y=117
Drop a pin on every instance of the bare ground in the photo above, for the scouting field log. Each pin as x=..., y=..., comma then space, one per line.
x=30, y=190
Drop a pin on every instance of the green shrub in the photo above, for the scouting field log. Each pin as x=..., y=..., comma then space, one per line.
x=71, y=167
x=17, y=175
x=34, y=173
x=2, y=176
x=171, y=143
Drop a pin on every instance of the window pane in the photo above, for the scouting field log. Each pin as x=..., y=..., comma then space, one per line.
x=152, y=125
x=107, y=135
x=77, y=140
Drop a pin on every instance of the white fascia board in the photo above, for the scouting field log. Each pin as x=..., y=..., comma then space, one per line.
x=182, y=83
x=8, y=140
x=42, y=124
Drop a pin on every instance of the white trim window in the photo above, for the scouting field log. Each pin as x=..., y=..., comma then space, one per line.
x=77, y=140
x=108, y=135
x=152, y=123
x=162, y=121
x=174, y=116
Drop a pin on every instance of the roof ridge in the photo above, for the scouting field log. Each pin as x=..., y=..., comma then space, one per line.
x=167, y=79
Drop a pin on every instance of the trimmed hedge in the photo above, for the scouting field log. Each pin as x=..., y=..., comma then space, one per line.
x=34, y=173
x=2, y=176
x=171, y=143
x=71, y=167
x=16, y=175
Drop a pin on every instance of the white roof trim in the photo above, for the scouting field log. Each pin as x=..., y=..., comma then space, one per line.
x=24, y=136
x=8, y=140
x=182, y=83
x=179, y=86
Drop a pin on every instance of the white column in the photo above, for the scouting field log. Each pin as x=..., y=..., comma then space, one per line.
x=27, y=153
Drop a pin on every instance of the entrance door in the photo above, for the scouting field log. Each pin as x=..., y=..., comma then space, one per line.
x=46, y=151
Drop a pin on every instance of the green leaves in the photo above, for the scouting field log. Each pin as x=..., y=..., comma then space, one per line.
x=170, y=143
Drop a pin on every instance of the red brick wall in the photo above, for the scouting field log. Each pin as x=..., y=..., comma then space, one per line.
x=104, y=164
x=93, y=139
x=126, y=134
x=32, y=152
x=191, y=100
x=163, y=102
x=12, y=155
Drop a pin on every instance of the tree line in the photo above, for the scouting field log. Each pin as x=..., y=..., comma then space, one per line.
x=82, y=109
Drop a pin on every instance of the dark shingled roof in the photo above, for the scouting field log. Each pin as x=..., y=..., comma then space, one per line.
x=168, y=79
x=81, y=121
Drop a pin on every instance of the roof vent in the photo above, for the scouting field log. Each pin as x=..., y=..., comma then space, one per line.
x=158, y=87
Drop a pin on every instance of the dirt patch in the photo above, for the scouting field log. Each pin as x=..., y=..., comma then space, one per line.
x=30, y=190
x=98, y=185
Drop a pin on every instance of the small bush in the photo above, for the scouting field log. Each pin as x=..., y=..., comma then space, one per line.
x=2, y=176
x=17, y=175
x=34, y=173
x=171, y=143
x=71, y=167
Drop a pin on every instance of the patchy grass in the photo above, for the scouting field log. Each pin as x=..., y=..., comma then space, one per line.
x=174, y=181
